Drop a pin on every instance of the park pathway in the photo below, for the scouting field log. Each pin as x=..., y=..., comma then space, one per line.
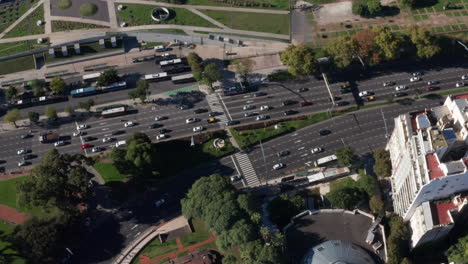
x=26, y=14
x=213, y=21
x=48, y=22
x=112, y=14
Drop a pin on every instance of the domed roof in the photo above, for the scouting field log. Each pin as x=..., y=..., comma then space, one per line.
x=337, y=252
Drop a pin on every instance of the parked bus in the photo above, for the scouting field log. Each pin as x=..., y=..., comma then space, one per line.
x=84, y=91
x=114, y=87
x=170, y=62
x=325, y=160
x=114, y=112
x=183, y=78
x=157, y=77
x=91, y=77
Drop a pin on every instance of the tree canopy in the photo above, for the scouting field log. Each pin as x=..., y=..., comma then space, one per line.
x=51, y=113
x=458, y=252
x=244, y=68
x=10, y=93
x=33, y=117
x=342, y=50
x=57, y=85
x=425, y=42
x=86, y=105
x=366, y=48
x=299, y=59
x=195, y=62
x=382, y=163
x=366, y=7
x=211, y=74
x=398, y=240
x=140, y=91
x=108, y=77
x=387, y=42
x=346, y=194
x=12, y=116
x=283, y=207
x=257, y=252
x=345, y=156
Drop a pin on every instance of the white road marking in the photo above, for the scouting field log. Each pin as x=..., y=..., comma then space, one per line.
x=138, y=234
x=298, y=141
x=102, y=123
x=134, y=227
x=104, y=129
x=300, y=148
x=303, y=155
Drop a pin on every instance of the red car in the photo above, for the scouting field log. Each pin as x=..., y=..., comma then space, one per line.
x=431, y=88
x=85, y=146
x=304, y=103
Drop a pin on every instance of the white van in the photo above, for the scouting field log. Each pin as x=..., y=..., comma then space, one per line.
x=121, y=143
x=160, y=48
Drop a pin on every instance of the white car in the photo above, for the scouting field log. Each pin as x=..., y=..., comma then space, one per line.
x=460, y=84
x=197, y=129
x=96, y=149
x=158, y=118
x=22, y=151
x=278, y=166
x=364, y=94
x=264, y=107
x=107, y=139
x=77, y=134
x=160, y=136
x=262, y=117
x=22, y=163
x=59, y=143
x=400, y=88
x=432, y=82
x=417, y=74
x=81, y=127
x=235, y=178
x=129, y=124
x=159, y=202
x=248, y=107
x=316, y=150
x=191, y=120
x=464, y=77
x=415, y=79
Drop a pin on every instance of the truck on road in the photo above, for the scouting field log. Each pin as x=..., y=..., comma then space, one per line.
x=48, y=137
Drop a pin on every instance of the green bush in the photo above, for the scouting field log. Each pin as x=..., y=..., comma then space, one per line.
x=88, y=9
x=64, y=4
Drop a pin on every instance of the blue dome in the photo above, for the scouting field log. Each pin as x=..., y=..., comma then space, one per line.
x=337, y=252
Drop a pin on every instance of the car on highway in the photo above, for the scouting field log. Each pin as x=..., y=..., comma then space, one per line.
x=365, y=93
x=371, y=98
x=432, y=82
x=335, y=98
x=431, y=88
x=385, y=84
x=107, y=139
x=28, y=157
x=159, y=202
x=287, y=102
x=264, y=107
x=159, y=118
x=153, y=126
x=415, y=79
x=85, y=146
x=129, y=124
x=120, y=143
x=235, y=178
x=302, y=90
x=184, y=107
x=262, y=117
x=161, y=136
x=278, y=166
x=22, y=151
x=191, y=120
x=247, y=114
x=400, y=94
x=59, y=143
x=233, y=122
x=22, y=163
x=345, y=90
x=77, y=134
x=304, y=103
x=258, y=94
x=324, y=132
x=86, y=139
x=282, y=153
x=289, y=112
x=464, y=77
x=459, y=84
x=248, y=107
x=401, y=88
x=163, y=131
x=198, y=129
x=211, y=120
x=316, y=150
x=81, y=127
x=96, y=149
x=345, y=85
x=342, y=103
x=212, y=114
x=415, y=74
x=117, y=132
x=24, y=136
x=200, y=110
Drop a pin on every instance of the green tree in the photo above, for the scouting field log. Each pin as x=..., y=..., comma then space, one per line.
x=195, y=63
x=299, y=59
x=229, y=259
x=342, y=50
x=69, y=109
x=140, y=91
x=367, y=183
x=283, y=207
x=11, y=93
x=398, y=240
x=345, y=198
x=12, y=117
x=211, y=74
x=425, y=42
x=387, y=42
x=38, y=87
x=51, y=113
x=33, y=117
x=382, y=164
x=366, y=48
x=86, y=105
x=345, y=156
x=376, y=204
x=244, y=68
x=406, y=3
x=57, y=85
x=359, y=8
x=374, y=7
x=258, y=252
x=58, y=181
x=458, y=252
x=241, y=232
x=108, y=77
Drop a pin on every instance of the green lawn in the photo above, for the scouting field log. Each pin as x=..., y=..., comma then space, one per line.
x=108, y=172
x=271, y=23
x=155, y=248
x=277, y=4
x=16, y=65
x=17, y=47
x=10, y=13
x=9, y=198
x=217, y=152
x=136, y=14
x=28, y=26
x=200, y=233
x=58, y=26
x=6, y=229
x=168, y=30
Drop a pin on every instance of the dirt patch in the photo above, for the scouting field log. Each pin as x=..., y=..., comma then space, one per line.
x=335, y=13
x=12, y=215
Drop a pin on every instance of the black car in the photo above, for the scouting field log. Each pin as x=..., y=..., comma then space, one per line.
x=233, y=122
x=335, y=98
x=289, y=112
x=324, y=132
x=288, y=102
x=282, y=153
x=152, y=126
x=86, y=139
x=28, y=157
x=213, y=114
x=345, y=90
x=258, y=94
x=117, y=132
x=200, y=110
x=342, y=103
x=184, y=107
x=385, y=84
x=301, y=90
x=24, y=136
x=163, y=131
x=400, y=94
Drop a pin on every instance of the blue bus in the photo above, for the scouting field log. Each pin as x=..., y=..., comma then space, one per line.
x=84, y=91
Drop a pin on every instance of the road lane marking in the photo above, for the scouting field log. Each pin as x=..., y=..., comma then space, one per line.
x=138, y=234
x=304, y=155
x=298, y=141
x=104, y=129
x=134, y=227
x=300, y=148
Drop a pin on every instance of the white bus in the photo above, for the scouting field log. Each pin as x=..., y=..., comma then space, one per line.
x=170, y=62
x=91, y=77
x=157, y=77
x=325, y=160
x=114, y=87
x=183, y=78
x=114, y=112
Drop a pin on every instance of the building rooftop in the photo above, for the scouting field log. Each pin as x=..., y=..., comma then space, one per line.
x=440, y=212
x=433, y=166
x=337, y=251
x=460, y=96
x=438, y=139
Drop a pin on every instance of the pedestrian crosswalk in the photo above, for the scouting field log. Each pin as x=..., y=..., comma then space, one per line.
x=247, y=169
x=215, y=106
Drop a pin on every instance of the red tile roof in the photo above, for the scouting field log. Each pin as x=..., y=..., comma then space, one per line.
x=461, y=96
x=433, y=166
x=441, y=213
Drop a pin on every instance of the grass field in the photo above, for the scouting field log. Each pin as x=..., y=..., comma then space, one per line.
x=17, y=47
x=200, y=233
x=155, y=248
x=13, y=14
x=6, y=229
x=28, y=26
x=17, y=65
x=136, y=14
x=108, y=172
x=58, y=26
x=167, y=30
x=277, y=4
x=270, y=23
